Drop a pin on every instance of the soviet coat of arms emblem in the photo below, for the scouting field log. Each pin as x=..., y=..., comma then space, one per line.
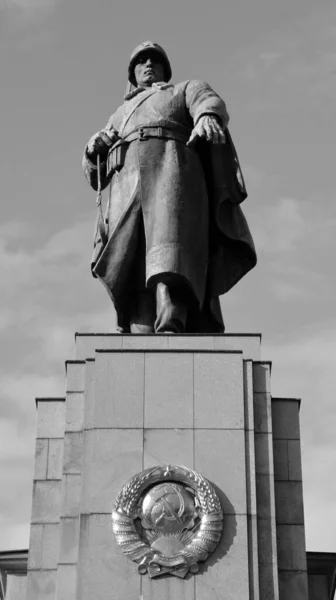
x=167, y=519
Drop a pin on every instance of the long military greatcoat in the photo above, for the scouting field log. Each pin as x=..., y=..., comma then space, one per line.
x=185, y=198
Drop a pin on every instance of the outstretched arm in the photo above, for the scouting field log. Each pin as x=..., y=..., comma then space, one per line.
x=208, y=112
x=208, y=128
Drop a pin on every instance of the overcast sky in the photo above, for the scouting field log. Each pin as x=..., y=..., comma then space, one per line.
x=63, y=68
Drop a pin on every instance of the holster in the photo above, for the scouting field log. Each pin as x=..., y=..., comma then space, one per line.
x=116, y=157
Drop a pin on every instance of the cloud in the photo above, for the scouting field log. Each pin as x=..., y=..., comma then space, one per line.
x=295, y=244
x=54, y=260
x=17, y=445
x=16, y=466
x=21, y=21
x=27, y=6
x=281, y=227
x=30, y=4
x=15, y=501
x=269, y=58
x=304, y=367
x=312, y=73
x=297, y=61
x=19, y=389
x=252, y=176
x=286, y=291
x=14, y=536
x=51, y=294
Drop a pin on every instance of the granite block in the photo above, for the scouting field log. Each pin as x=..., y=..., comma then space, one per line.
x=74, y=418
x=280, y=456
x=252, y=531
x=46, y=501
x=119, y=391
x=104, y=571
x=168, y=447
x=248, y=395
x=66, y=587
x=291, y=547
x=75, y=372
x=262, y=412
x=41, y=459
x=294, y=460
x=69, y=540
x=220, y=457
x=88, y=445
x=285, y=419
x=289, y=502
x=16, y=586
x=218, y=391
x=90, y=384
x=265, y=497
x=86, y=345
x=83, y=554
x=51, y=419
x=262, y=377
x=41, y=585
x=167, y=588
x=55, y=459
x=35, y=547
x=293, y=585
x=266, y=541
x=168, y=390
x=269, y=582
x=71, y=495
x=145, y=342
x=73, y=453
x=50, y=546
x=190, y=342
x=113, y=457
x=226, y=573
x=264, y=453
x=250, y=473
x=250, y=345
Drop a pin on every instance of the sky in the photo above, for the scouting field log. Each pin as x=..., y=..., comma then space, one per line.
x=63, y=67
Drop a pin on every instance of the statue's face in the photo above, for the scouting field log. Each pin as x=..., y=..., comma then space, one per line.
x=148, y=69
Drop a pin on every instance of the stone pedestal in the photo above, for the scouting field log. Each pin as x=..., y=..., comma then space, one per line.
x=137, y=401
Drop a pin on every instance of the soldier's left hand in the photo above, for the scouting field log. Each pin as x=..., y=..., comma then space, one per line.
x=208, y=128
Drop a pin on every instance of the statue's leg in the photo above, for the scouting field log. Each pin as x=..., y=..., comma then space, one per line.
x=143, y=314
x=143, y=309
x=171, y=311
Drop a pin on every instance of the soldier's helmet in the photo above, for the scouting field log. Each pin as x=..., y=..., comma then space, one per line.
x=144, y=47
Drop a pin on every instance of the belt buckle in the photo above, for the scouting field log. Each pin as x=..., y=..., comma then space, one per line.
x=142, y=136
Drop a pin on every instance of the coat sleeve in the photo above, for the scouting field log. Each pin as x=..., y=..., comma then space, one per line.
x=202, y=100
x=90, y=168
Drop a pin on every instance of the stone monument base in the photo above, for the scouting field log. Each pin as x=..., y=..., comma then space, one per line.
x=136, y=401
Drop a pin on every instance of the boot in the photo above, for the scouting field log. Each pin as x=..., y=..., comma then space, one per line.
x=171, y=312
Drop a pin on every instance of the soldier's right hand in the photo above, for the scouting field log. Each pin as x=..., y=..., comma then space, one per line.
x=101, y=142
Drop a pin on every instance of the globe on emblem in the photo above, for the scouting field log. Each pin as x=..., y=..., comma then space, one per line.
x=167, y=519
x=168, y=508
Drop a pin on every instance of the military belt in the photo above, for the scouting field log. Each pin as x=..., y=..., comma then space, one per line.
x=144, y=133
x=116, y=156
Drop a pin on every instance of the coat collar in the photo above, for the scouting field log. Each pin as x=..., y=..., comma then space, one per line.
x=158, y=85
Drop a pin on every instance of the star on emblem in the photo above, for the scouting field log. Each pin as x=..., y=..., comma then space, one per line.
x=167, y=472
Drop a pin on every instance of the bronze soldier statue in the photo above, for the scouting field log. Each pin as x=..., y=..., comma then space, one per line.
x=174, y=237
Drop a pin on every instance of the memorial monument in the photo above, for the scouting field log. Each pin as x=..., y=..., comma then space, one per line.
x=168, y=471
x=174, y=237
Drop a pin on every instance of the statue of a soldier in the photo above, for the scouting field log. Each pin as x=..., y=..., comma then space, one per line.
x=174, y=238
